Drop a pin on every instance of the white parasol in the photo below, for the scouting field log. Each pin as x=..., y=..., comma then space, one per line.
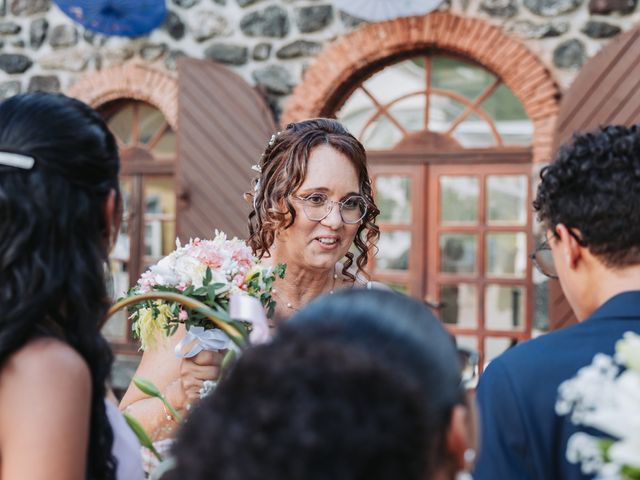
x=380, y=10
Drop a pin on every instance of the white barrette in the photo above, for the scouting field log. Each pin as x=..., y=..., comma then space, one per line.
x=272, y=140
x=17, y=160
x=256, y=168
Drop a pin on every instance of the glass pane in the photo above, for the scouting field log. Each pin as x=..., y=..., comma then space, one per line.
x=356, y=111
x=507, y=254
x=506, y=199
x=474, y=132
x=442, y=112
x=459, y=200
x=460, y=305
x=382, y=134
x=398, y=287
x=393, y=197
x=504, y=307
x=393, y=251
x=494, y=346
x=151, y=120
x=510, y=117
x=115, y=330
x=160, y=211
x=120, y=123
x=468, y=353
x=462, y=77
x=406, y=77
x=410, y=112
x=166, y=146
x=458, y=252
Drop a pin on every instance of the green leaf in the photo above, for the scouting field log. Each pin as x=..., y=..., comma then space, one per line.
x=280, y=270
x=143, y=438
x=207, y=277
x=147, y=387
x=227, y=362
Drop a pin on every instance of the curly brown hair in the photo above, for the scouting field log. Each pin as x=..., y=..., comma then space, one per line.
x=283, y=167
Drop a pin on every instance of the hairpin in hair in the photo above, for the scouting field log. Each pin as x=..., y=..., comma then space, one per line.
x=17, y=160
x=256, y=168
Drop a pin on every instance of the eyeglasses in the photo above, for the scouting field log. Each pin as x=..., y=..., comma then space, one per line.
x=317, y=207
x=543, y=260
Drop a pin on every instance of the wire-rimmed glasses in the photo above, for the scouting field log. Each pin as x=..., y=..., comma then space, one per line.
x=317, y=207
x=543, y=260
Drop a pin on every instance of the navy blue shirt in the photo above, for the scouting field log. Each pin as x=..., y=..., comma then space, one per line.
x=522, y=436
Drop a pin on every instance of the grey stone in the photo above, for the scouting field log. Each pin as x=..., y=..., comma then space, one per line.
x=112, y=57
x=151, y=52
x=185, y=3
x=314, y=18
x=174, y=25
x=261, y=51
x=270, y=22
x=500, y=8
x=350, y=21
x=273, y=101
x=275, y=79
x=9, y=28
x=227, y=53
x=208, y=25
x=171, y=61
x=14, y=63
x=29, y=7
x=595, y=29
x=71, y=61
x=299, y=48
x=38, y=32
x=18, y=43
x=9, y=89
x=605, y=7
x=570, y=54
x=528, y=29
x=44, y=83
x=552, y=8
x=246, y=3
x=93, y=38
x=63, y=36
x=220, y=2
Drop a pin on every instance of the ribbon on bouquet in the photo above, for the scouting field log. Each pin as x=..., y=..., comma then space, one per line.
x=243, y=308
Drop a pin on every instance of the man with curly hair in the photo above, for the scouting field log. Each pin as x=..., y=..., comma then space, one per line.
x=589, y=203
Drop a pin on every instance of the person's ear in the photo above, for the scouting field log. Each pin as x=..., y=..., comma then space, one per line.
x=459, y=442
x=111, y=218
x=571, y=249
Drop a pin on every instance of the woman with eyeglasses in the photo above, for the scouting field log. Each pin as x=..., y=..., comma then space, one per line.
x=313, y=208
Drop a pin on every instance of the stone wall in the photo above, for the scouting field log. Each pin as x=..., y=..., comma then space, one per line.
x=270, y=42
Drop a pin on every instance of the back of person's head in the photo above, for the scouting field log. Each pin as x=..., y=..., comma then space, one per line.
x=593, y=186
x=358, y=385
x=53, y=238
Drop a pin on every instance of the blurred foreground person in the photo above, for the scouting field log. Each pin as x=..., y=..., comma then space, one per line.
x=358, y=385
x=589, y=203
x=60, y=209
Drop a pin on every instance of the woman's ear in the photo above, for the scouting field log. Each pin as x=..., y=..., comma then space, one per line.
x=111, y=218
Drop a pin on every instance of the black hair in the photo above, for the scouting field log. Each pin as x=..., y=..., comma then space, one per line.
x=359, y=385
x=593, y=186
x=52, y=240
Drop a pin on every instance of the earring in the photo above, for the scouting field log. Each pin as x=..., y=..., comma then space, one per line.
x=469, y=459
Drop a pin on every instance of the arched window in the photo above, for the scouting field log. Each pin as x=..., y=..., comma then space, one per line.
x=147, y=146
x=450, y=152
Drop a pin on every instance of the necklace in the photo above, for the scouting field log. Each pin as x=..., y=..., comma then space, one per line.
x=290, y=306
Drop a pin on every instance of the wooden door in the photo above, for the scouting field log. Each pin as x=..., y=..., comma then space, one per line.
x=223, y=127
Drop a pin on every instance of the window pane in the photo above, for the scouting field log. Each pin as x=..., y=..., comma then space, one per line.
x=160, y=211
x=458, y=253
x=393, y=197
x=460, y=305
x=462, y=77
x=474, y=132
x=506, y=254
x=381, y=134
x=504, y=307
x=512, y=121
x=410, y=112
x=405, y=77
x=459, y=200
x=393, y=253
x=494, y=346
x=151, y=120
x=398, y=287
x=166, y=146
x=356, y=111
x=120, y=123
x=442, y=112
x=506, y=199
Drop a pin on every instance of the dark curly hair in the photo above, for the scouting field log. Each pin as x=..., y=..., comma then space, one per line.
x=359, y=385
x=52, y=240
x=593, y=188
x=283, y=168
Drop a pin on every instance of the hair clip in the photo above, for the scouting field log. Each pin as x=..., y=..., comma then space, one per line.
x=256, y=168
x=273, y=138
x=17, y=160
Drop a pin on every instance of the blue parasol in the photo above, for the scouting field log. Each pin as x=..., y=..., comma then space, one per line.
x=125, y=18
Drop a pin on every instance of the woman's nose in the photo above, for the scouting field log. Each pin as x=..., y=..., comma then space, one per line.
x=334, y=218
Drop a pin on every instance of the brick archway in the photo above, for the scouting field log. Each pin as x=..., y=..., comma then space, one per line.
x=356, y=55
x=138, y=82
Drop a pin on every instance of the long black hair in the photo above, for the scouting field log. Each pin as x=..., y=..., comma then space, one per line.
x=52, y=240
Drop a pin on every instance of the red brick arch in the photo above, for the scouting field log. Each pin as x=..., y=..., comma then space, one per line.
x=353, y=57
x=133, y=81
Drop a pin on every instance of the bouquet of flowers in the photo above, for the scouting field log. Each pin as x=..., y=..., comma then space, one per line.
x=606, y=396
x=222, y=274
